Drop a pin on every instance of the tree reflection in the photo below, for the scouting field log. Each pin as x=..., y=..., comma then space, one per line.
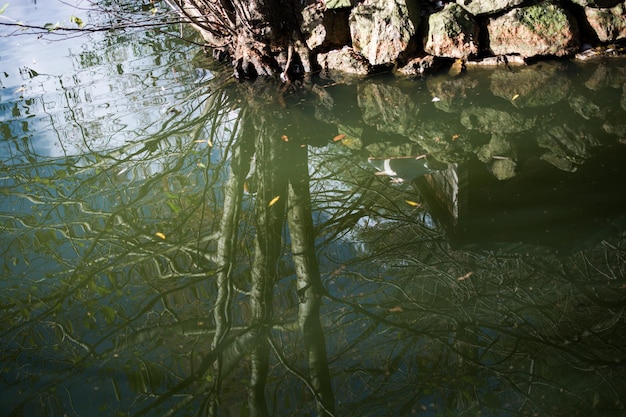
x=225, y=258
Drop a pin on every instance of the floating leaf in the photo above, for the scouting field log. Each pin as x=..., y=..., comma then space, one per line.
x=515, y=97
x=339, y=137
x=466, y=276
x=273, y=201
x=455, y=136
x=285, y=138
x=159, y=234
x=412, y=203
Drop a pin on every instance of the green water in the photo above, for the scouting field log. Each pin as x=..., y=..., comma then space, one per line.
x=176, y=243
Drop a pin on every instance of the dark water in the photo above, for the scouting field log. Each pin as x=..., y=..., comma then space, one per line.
x=176, y=243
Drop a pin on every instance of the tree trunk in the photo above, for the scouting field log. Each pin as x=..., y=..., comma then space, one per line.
x=260, y=37
x=309, y=283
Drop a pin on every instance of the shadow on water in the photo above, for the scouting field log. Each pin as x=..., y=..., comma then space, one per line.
x=447, y=246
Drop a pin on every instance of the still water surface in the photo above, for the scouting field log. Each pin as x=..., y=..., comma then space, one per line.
x=176, y=243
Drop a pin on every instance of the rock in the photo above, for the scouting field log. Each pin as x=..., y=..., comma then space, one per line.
x=419, y=66
x=452, y=33
x=541, y=29
x=445, y=142
x=585, y=107
x=608, y=24
x=538, y=85
x=478, y=7
x=345, y=59
x=488, y=120
x=500, y=156
x=596, y=3
x=503, y=169
x=337, y=4
x=497, y=61
x=382, y=30
x=325, y=29
x=605, y=76
x=388, y=108
x=568, y=148
x=451, y=93
x=499, y=147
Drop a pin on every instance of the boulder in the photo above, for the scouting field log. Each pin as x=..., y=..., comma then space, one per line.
x=567, y=147
x=500, y=155
x=324, y=29
x=338, y=4
x=419, y=66
x=608, y=24
x=543, y=84
x=540, y=29
x=478, y=7
x=450, y=94
x=489, y=120
x=382, y=30
x=597, y=3
x=345, y=59
x=388, y=108
x=585, y=107
x=452, y=33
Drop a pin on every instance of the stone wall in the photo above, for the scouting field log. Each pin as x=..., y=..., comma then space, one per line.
x=413, y=35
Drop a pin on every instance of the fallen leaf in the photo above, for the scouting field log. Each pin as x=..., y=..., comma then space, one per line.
x=515, y=97
x=412, y=203
x=435, y=99
x=466, y=276
x=339, y=137
x=396, y=309
x=273, y=201
x=159, y=234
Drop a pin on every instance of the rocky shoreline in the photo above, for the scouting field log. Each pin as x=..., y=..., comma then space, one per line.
x=413, y=37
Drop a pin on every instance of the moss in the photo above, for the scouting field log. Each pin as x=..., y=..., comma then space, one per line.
x=545, y=19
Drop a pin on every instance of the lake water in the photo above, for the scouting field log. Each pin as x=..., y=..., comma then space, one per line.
x=177, y=243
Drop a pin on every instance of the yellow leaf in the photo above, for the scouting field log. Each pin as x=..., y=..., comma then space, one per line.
x=159, y=234
x=466, y=276
x=515, y=97
x=273, y=201
x=412, y=203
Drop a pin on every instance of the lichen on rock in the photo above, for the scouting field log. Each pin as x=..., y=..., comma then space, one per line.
x=452, y=33
x=383, y=30
x=540, y=29
x=609, y=24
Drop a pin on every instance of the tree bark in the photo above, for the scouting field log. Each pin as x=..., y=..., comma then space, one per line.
x=260, y=37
